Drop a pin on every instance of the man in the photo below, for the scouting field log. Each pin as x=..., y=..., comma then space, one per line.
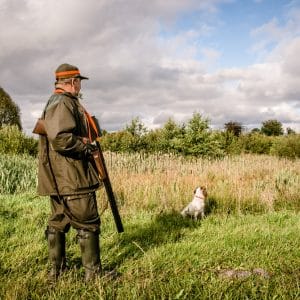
x=67, y=175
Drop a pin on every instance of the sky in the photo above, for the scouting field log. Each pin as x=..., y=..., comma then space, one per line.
x=228, y=60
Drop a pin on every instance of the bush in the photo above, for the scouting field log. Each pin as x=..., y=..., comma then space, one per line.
x=229, y=142
x=14, y=141
x=287, y=146
x=123, y=141
x=255, y=143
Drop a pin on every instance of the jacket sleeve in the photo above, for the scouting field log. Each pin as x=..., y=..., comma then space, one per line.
x=60, y=126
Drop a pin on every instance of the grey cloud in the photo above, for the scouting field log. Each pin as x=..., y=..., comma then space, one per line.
x=132, y=71
x=162, y=118
x=291, y=64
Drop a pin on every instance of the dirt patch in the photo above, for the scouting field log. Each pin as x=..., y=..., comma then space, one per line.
x=242, y=274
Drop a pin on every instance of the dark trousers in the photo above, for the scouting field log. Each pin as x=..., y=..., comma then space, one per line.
x=78, y=211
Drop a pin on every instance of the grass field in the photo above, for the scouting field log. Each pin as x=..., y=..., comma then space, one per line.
x=246, y=248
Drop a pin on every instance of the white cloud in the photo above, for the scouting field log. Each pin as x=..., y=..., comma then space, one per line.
x=135, y=70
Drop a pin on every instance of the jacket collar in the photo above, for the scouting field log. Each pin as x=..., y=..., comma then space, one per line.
x=63, y=92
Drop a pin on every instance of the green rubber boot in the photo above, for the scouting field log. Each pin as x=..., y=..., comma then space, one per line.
x=90, y=254
x=57, y=252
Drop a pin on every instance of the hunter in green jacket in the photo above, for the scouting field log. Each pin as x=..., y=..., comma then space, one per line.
x=66, y=174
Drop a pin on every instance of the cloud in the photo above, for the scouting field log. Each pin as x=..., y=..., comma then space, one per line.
x=136, y=70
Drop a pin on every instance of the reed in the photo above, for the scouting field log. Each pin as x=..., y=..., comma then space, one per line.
x=18, y=173
x=240, y=184
x=237, y=184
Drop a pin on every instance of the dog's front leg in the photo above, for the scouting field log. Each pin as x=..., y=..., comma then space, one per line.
x=184, y=212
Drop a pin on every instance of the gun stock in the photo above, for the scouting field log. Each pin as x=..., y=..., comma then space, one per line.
x=39, y=127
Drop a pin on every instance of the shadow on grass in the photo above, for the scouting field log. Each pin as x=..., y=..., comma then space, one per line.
x=210, y=206
x=164, y=228
x=137, y=239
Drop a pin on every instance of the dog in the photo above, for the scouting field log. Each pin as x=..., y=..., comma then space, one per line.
x=196, y=208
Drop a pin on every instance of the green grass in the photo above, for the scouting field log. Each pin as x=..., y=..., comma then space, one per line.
x=160, y=255
x=18, y=173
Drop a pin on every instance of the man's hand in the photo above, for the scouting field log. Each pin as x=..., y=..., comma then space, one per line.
x=89, y=148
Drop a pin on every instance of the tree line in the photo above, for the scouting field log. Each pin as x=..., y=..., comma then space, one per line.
x=195, y=138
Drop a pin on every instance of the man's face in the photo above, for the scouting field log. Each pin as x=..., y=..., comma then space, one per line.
x=76, y=83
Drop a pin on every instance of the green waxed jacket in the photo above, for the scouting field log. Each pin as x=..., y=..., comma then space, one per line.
x=65, y=125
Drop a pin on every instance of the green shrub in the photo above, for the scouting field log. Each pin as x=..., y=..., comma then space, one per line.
x=287, y=146
x=229, y=142
x=255, y=143
x=14, y=141
x=122, y=141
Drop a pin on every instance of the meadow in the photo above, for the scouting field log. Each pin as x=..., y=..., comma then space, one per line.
x=246, y=248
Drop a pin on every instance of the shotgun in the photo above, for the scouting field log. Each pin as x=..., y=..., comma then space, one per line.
x=103, y=175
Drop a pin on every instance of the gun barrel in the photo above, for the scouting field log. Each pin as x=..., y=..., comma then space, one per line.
x=113, y=205
x=110, y=194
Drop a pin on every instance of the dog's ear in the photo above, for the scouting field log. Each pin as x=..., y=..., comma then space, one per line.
x=203, y=188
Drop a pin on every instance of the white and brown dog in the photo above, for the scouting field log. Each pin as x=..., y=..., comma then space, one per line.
x=196, y=208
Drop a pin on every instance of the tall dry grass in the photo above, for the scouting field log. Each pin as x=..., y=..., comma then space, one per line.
x=245, y=183
x=237, y=184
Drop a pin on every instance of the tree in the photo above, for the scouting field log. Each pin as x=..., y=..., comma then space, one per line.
x=289, y=130
x=272, y=127
x=171, y=130
x=199, y=140
x=134, y=138
x=234, y=127
x=136, y=127
x=172, y=136
x=255, y=130
x=9, y=111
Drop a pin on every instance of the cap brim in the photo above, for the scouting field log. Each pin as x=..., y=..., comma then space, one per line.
x=81, y=77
